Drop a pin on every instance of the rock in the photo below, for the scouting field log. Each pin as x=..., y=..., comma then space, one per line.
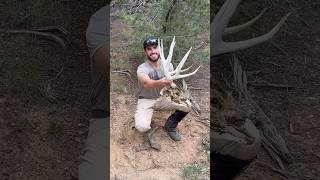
x=77, y=139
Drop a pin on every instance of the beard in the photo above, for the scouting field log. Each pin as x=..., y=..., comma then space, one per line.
x=152, y=58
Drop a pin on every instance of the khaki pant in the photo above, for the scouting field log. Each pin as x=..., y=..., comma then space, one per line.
x=145, y=108
x=234, y=143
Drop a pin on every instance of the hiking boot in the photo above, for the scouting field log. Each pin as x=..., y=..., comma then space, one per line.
x=174, y=135
x=172, y=123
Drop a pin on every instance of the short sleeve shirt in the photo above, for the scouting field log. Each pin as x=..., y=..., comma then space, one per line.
x=153, y=73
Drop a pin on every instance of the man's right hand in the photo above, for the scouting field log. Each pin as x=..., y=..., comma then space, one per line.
x=146, y=82
x=165, y=82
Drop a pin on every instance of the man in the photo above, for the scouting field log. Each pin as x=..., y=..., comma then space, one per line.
x=151, y=81
x=235, y=140
x=94, y=162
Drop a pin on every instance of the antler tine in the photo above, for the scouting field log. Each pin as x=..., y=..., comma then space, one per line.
x=178, y=69
x=225, y=47
x=182, y=70
x=186, y=69
x=184, y=85
x=161, y=50
x=179, y=76
x=233, y=29
x=227, y=13
x=222, y=19
x=163, y=62
x=169, y=58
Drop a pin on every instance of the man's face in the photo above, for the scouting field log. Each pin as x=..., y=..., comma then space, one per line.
x=152, y=53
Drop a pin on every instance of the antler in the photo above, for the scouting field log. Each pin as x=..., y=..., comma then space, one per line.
x=166, y=63
x=220, y=23
x=194, y=105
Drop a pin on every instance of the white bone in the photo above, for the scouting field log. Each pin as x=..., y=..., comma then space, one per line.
x=219, y=28
x=166, y=63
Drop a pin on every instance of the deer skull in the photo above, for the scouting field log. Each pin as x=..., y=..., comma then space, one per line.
x=175, y=93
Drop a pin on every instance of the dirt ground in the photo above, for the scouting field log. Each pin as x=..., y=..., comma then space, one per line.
x=44, y=104
x=128, y=160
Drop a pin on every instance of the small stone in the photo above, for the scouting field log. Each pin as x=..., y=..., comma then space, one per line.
x=77, y=139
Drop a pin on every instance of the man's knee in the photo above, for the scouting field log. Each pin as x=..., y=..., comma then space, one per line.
x=143, y=115
x=235, y=144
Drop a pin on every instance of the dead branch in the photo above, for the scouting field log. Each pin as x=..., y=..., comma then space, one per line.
x=126, y=72
x=271, y=85
x=40, y=34
x=59, y=29
x=58, y=74
x=168, y=16
x=194, y=88
x=203, y=122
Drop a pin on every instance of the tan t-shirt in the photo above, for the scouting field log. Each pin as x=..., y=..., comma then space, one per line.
x=155, y=74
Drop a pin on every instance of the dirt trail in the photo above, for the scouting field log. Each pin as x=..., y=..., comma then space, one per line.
x=127, y=162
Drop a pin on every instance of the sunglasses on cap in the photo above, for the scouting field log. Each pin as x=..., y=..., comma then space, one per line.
x=150, y=41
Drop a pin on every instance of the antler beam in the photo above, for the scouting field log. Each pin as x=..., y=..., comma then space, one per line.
x=219, y=27
x=166, y=63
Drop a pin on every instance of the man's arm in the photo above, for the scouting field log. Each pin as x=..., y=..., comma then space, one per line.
x=146, y=82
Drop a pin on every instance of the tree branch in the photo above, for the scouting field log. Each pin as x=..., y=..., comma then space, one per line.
x=168, y=15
